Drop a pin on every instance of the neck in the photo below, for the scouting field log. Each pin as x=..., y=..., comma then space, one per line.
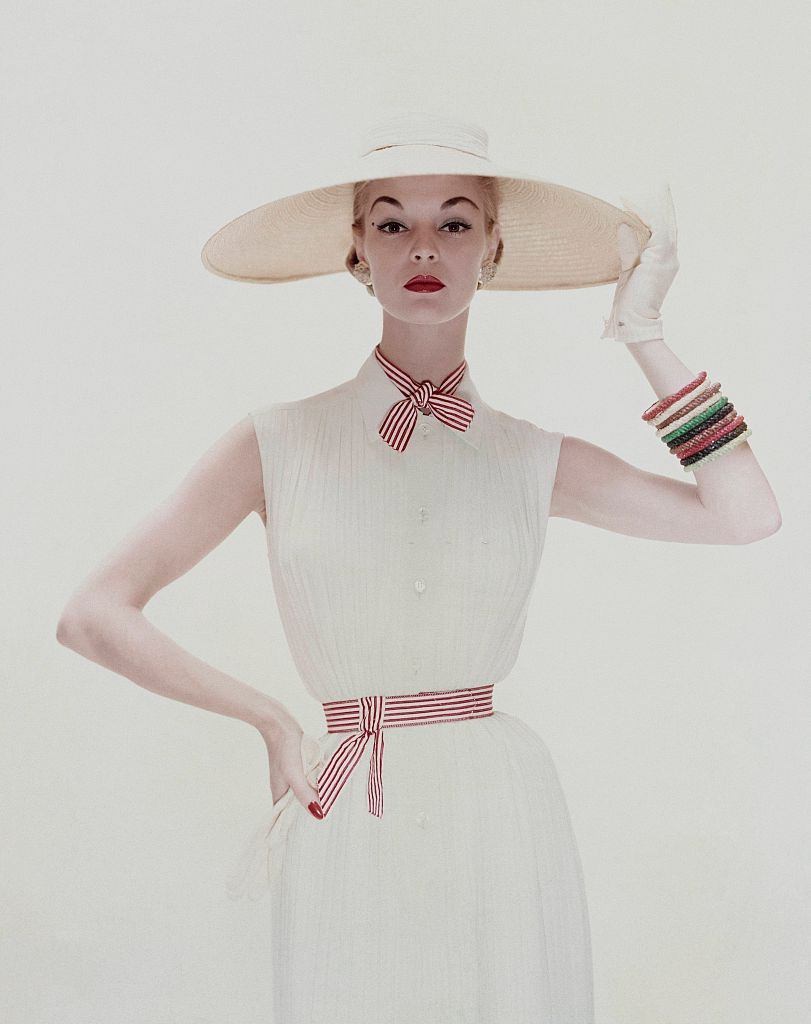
x=424, y=351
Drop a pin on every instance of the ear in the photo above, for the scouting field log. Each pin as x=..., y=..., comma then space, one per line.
x=357, y=238
x=495, y=238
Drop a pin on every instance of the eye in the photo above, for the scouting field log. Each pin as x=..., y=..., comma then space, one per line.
x=396, y=223
x=461, y=224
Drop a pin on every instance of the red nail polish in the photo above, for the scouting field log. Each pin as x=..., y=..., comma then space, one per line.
x=315, y=810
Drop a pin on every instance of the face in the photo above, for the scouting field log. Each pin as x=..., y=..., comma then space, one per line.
x=425, y=225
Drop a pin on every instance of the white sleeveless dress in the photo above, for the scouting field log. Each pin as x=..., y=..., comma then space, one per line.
x=397, y=572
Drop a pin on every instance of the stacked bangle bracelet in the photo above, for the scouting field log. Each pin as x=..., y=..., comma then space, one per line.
x=697, y=423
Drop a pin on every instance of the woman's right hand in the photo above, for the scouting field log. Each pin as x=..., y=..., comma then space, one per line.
x=285, y=770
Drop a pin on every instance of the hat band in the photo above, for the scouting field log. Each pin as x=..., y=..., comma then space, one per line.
x=435, y=132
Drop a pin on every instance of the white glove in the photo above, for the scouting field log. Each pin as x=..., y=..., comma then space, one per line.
x=641, y=288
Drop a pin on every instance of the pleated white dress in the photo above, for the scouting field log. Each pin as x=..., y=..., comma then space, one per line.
x=397, y=572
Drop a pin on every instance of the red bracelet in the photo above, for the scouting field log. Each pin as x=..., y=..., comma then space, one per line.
x=665, y=403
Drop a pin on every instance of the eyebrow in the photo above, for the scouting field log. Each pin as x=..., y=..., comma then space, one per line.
x=448, y=202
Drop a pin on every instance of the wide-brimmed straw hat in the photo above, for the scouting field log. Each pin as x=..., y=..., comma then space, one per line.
x=554, y=236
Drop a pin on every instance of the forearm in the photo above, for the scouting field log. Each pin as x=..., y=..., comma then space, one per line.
x=732, y=486
x=123, y=640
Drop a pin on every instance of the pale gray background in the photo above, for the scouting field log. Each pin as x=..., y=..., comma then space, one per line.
x=673, y=689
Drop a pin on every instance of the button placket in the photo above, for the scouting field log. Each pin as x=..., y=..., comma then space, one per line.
x=420, y=525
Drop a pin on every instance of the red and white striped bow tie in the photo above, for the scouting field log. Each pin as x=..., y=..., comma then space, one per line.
x=398, y=426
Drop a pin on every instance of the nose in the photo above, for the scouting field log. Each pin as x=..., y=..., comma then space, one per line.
x=423, y=250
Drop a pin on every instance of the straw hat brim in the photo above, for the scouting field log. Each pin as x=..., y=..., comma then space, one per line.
x=554, y=237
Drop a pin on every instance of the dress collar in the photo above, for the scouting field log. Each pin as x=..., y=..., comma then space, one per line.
x=377, y=393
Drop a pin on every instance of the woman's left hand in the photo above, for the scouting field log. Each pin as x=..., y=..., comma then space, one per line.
x=641, y=289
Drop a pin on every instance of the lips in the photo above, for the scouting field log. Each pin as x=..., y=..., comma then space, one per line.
x=424, y=283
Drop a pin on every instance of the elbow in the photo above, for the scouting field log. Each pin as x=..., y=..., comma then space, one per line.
x=761, y=531
x=72, y=626
x=67, y=629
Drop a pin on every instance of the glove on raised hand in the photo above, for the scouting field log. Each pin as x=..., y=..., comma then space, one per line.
x=641, y=289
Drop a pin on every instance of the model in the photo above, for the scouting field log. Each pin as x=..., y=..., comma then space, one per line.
x=419, y=855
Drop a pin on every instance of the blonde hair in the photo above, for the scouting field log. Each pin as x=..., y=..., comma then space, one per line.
x=490, y=189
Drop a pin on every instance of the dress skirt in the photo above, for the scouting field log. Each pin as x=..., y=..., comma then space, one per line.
x=463, y=904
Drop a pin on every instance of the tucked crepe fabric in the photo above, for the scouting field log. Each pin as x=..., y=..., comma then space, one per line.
x=397, y=572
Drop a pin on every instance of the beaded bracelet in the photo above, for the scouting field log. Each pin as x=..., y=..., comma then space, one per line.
x=665, y=403
x=697, y=423
x=674, y=416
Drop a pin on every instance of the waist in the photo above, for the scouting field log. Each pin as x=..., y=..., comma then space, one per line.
x=376, y=711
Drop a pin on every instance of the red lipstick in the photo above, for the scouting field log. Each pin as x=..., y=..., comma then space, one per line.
x=424, y=283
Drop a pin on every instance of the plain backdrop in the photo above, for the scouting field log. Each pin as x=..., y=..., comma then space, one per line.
x=670, y=681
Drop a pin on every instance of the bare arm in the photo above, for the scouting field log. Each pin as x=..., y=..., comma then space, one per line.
x=729, y=501
x=104, y=620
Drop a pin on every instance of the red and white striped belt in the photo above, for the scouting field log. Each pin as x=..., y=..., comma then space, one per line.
x=366, y=717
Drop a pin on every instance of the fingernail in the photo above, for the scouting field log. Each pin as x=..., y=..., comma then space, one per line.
x=315, y=809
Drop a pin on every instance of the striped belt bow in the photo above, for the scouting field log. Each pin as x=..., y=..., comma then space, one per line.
x=367, y=717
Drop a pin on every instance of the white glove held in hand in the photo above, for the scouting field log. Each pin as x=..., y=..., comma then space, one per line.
x=641, y=289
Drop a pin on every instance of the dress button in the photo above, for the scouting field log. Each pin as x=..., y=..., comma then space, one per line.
x=422, y=819
x=419, y=586
x=422, y=512
x=425, y=430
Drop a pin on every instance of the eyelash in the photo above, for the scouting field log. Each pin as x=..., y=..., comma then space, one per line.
x=385, y=224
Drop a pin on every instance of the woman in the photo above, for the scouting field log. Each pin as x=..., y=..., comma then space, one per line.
x=405, y=523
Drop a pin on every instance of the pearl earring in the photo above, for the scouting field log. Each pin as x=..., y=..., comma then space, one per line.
x=487, y=272
x=362, y=272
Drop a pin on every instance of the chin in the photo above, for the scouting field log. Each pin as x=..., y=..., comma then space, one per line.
x=431, y=312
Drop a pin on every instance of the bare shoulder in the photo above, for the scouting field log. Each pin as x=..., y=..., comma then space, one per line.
x=218, y=491
x=235, y=459
x=579, y=461
x=596, y=487
x=228, y=473
x=592, y=482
